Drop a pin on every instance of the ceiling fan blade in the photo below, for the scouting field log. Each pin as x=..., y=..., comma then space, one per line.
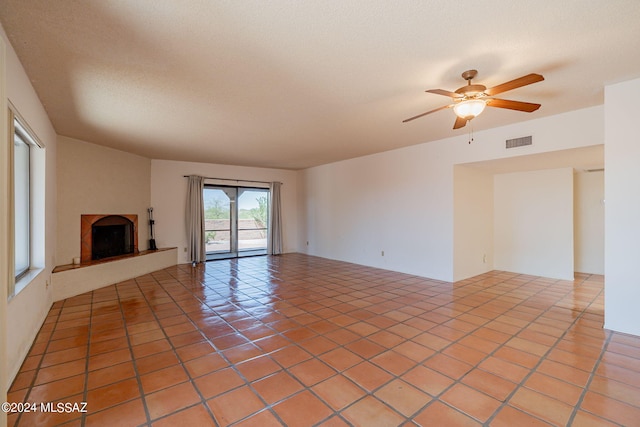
x=444, y=92
x=514, y=84
x=513, y=105
x=428, y=112
x=460, y=123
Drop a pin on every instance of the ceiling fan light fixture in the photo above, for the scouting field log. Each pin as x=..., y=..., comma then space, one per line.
x=470, y=108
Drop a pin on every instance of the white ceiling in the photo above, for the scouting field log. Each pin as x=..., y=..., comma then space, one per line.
x=292, y=84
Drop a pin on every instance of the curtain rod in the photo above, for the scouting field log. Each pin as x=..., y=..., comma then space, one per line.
x=236, y=180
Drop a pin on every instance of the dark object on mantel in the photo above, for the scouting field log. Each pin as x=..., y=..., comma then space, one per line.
x=152, y=240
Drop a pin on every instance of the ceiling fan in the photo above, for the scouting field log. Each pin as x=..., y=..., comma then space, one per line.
x=469, y=101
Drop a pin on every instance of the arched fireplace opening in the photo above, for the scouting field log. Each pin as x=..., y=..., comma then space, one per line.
x=111, y=236
x=106, y=236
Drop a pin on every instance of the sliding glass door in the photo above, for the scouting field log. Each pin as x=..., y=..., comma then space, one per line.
x=236, y=220
x=219, y=204
x=253, y=211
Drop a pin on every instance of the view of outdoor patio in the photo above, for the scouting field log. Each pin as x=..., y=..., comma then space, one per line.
x=251, y=219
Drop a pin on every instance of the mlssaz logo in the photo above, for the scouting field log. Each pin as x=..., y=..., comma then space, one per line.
x=63, y=407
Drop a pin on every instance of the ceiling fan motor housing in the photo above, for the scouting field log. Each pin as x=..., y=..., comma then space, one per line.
x=471, y=91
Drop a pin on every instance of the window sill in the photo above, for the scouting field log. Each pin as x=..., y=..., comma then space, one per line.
x=25, y=281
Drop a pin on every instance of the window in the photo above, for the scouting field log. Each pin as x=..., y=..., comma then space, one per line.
x=28, y=195
x=22, y=201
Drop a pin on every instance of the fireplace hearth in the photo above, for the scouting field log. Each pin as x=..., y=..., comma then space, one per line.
x=106, y=236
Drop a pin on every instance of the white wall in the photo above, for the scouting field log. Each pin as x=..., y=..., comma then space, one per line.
x=473, y=222
x=533, y=223
x=27, y=310
x=169, y=195
x=622, y=208
x=588, y=209
x=356, y=209
x=93, y=179
x=402, y=202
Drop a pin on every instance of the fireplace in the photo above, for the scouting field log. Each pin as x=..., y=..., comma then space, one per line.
x=106, y=236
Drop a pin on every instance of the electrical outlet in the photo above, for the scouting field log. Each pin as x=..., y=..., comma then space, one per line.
x=381, y=253
x=484, y=258
x=185, y=250
x=307, y=243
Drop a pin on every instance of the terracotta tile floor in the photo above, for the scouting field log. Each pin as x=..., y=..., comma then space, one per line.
x=297, y=340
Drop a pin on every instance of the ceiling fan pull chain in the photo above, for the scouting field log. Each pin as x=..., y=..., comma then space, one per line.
x=471, y=133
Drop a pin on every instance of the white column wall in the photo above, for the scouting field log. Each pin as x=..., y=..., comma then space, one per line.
x=533, y=223
x=473, y=219
x=589, y=222
x=622, y=207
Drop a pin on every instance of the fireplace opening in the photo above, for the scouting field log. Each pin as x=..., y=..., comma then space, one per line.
x=106, y=236
x=111, y=236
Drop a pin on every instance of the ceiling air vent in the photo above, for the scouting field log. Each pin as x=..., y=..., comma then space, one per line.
x=519, y=142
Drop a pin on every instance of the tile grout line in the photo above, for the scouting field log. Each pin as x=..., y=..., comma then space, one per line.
x=133, y=358
x=470, y=333
x=203, y=401
x=268, y=406
x=543, y=358
x=394, y=377
x=309, y=388
x=85, y=392
x=592, y=375
x=545, y=288
x=440, y=351
x=173, y=348
x=459, y=381
x=39, y=366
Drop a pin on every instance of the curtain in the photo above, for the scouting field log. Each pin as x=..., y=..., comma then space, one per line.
x=195, y=219
x=274, y=231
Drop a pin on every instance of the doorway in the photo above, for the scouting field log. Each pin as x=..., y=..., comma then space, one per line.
x=236, y=221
